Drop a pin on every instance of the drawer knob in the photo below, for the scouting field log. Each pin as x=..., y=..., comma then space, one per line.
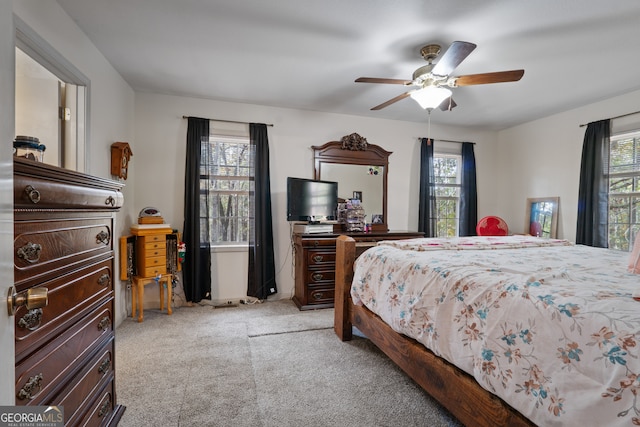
x=104, y=409
x=318, y=258
x=318, y=296
x=31, y=320
x=30, y=252
x=110, y=201
x=32, y=194
x=317, y=276
x=104, y=280
x=103, y=237
x=104, y=323
x=31, y=388
x=104, y=366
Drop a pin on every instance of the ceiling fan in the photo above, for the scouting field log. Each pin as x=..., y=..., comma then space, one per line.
x=434, y=80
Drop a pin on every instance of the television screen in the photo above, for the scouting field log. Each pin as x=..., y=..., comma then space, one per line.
x=311, y=200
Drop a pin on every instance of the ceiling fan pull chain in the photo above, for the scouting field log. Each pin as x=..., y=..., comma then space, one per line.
x=429, y=127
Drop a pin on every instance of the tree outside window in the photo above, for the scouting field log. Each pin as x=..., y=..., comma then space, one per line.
x=447, y=189
x=624, y=190
x=226, y=182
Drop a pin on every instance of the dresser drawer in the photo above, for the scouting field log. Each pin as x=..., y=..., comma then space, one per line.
x=50, y=367
x=318, y=258
x=102, y=410
x=33, y=192
x=71, y=297
x=76, y=398
x=46, y=248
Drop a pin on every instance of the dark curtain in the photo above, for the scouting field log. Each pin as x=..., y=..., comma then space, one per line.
x=593, y=193
x=262, y=269
x=197, y=263
x=427, y=203
x=468, y=192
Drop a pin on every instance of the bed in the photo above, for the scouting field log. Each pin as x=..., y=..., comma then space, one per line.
x=510, y=331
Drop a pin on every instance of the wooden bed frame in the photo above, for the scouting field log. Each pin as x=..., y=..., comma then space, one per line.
x=454, y=389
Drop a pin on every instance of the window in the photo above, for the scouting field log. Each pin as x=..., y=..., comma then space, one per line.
x=225, y=183
x=446, y=169
x=624, y=190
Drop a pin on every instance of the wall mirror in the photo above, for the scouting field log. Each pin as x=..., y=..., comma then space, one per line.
x=542, y=216
x=360, y=169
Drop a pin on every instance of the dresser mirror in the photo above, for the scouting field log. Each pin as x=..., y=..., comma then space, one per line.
x=360, y=169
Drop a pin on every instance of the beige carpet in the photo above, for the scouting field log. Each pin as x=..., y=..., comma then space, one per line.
x=264, y=365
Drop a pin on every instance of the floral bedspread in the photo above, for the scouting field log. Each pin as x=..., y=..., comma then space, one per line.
x=550, y=327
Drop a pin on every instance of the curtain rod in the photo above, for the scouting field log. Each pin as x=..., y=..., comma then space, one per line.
x=616, y=117
x=226, y=121
x=448, y=140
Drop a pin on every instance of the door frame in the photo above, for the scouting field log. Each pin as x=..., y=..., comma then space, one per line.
x=7, y=126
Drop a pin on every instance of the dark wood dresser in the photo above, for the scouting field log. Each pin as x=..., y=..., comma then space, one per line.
x=64, y=242
x=315, y=264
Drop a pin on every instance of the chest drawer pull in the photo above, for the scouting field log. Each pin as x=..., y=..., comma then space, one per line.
x=32, y=194
x=104, y=323
x=317, y=276
x=103, y=237
x=104, y=366
x=104, y=280
x=31, y=388
x=110, y=201
x=31, y=320
x=30, y=252
x=318, y=258
x=104, y=409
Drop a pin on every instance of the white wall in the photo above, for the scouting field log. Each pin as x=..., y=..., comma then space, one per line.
x=542, y=158
x=158, y=164
x=111, y=99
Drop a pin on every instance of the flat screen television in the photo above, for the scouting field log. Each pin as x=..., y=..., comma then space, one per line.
x=311, y=200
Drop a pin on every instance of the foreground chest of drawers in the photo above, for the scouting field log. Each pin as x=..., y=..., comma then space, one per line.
x=63, y=241
x=315, y=264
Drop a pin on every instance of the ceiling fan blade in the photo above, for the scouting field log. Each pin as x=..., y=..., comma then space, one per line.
x=448, y=104
x=486, y=78
x=387, y=81
x=391, y=101
x=456, y=53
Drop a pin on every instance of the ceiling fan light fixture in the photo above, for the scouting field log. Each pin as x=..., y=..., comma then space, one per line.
x=431, y=96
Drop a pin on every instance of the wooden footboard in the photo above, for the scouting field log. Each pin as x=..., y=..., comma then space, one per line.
x=452, y=388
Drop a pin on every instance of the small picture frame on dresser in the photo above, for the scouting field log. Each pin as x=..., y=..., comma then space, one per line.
x=357, y=195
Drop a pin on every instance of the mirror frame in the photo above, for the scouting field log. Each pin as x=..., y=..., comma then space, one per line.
x=354, y=150
x=554, y=214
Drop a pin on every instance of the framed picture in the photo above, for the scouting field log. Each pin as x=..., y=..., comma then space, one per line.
x=357, y=195
x=376, y=219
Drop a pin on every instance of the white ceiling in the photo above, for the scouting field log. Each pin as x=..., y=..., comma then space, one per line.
x=306, y=54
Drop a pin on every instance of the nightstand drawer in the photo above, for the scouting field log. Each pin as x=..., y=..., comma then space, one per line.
x=321, y=295
x=319, y=276
x=320, y=258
